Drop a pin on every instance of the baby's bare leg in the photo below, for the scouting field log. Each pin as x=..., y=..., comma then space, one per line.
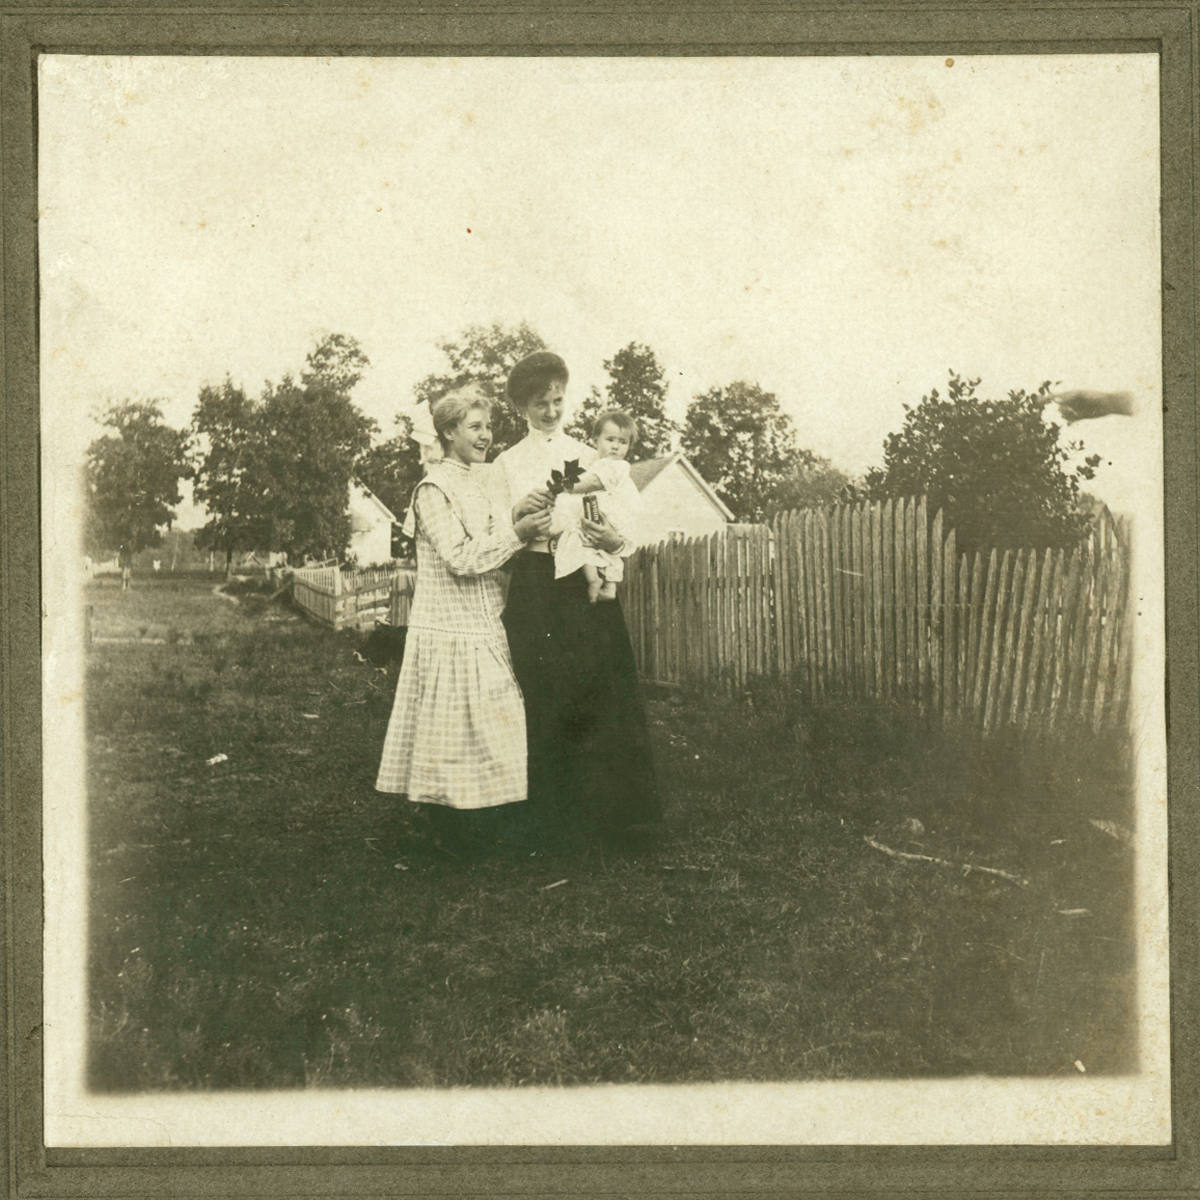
x=608, y=587
x=594, y=582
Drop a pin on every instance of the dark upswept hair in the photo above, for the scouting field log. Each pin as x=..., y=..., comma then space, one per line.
x=621, y=419
x=453, y=406
x=533, y=375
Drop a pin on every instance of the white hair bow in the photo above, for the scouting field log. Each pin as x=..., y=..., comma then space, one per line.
x=422, y=431
x=425, y=435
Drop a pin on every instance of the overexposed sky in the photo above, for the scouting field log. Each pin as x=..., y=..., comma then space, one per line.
x=840, y=230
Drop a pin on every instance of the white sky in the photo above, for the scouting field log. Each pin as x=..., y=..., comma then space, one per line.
x=840, y=230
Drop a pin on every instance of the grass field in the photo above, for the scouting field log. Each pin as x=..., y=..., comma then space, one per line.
x=268, y=920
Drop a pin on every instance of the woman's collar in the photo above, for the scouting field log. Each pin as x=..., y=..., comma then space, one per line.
x=542, y=438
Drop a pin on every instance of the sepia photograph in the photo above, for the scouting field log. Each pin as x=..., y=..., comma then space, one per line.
x=603, y=601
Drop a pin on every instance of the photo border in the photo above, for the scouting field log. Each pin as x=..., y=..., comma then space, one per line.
x=540, y=29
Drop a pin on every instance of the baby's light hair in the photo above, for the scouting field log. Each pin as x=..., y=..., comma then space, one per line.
x=621, y=419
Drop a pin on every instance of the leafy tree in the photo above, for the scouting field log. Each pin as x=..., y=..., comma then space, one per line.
x=485, y=355
x=225, y=423
x=814, y=482
x=132, y=479
x=309, y=438
x=590, y=407
x=276, y=472
x=995, y=468
x=637, y=384
x=740, y=440
x=336, y=362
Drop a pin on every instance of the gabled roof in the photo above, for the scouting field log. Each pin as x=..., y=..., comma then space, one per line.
x=645, y=473
x=383, y=510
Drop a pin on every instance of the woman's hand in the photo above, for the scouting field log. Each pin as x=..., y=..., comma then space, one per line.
x=1083, y=405
x=536, y=501
x=601, y=534
x=533, y=526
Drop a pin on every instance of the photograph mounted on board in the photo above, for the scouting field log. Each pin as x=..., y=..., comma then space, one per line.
x=615, y=600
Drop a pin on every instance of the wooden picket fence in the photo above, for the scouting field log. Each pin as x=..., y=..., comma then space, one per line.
x=346, y=599
x=872, y=603
x=404, y=583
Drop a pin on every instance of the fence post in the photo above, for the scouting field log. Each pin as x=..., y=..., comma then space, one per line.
x=837, y=623
x=989, y=594
x=951, y=611
x=1079, y=632
x=655, y=630
x=1013, y=591
x=1023, y=634
x=854, y=583
x=993, y=664
x=820, y=570
x=887, y=534
x=937, y=616
x=903, y=599
x=920, y=625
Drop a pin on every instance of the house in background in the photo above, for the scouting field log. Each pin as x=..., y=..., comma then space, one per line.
x=371, y=524
x=677, y=502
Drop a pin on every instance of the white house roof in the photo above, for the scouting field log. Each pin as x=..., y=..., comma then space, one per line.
x=645, y=473
x=372, y=501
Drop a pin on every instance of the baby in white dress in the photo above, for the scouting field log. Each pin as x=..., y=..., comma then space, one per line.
x=614, y=435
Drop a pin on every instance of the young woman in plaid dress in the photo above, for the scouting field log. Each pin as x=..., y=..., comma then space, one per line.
x=456, y=738
x=591, y=770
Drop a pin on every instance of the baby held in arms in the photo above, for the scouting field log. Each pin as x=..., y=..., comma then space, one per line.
x=607, y=480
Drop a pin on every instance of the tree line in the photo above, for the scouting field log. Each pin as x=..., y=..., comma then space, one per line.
x=273, y=471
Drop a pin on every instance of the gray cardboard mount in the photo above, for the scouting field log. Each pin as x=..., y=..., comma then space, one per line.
x=525, y=29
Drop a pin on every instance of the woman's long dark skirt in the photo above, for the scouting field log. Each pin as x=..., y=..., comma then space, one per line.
x=591, y=770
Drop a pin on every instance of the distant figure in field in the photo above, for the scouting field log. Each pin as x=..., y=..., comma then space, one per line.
x=125, y=562
x=1080, y=404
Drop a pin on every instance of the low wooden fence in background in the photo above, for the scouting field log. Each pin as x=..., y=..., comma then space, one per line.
x=352, y=599
x=872, y=602
x=403, y=584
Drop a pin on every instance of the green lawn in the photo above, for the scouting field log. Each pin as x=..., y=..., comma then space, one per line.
x=269, y=920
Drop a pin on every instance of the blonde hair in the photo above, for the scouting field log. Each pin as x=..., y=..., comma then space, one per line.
x=454, y=406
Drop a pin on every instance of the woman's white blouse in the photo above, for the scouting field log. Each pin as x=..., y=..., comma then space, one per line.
x=526, y=466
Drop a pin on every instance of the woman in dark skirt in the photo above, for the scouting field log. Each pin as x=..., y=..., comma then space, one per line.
x=591, y=770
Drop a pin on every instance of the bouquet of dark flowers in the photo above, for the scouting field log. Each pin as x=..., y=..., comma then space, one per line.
x=568, y=477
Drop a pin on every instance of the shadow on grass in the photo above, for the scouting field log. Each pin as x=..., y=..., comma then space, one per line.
x=268, y=920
